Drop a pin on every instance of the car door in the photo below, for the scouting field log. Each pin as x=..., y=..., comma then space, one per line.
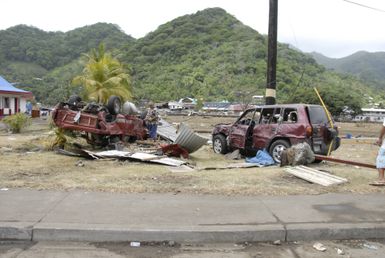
x=267, y=128
x=322, y=133
x=239, y=130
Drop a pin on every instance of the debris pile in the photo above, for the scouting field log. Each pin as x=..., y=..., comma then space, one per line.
x=299, y=154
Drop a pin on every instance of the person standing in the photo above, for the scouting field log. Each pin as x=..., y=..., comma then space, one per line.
x=28, y=107
x=152, y=118
x=380, y=162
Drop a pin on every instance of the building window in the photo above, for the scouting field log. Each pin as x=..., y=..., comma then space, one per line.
x=6, y=102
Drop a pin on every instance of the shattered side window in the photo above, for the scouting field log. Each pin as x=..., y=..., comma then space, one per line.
x=276, y=117
x=290, y=115
x=266, y=116
x=246, y=118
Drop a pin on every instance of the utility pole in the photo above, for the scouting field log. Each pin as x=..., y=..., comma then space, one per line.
x=272, y=53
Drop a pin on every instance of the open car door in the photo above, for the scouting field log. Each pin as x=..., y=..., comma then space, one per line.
x=241, y=128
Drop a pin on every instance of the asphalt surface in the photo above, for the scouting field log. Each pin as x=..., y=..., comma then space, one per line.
x=33, y=215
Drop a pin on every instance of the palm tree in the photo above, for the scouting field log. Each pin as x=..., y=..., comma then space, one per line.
x=104, y=76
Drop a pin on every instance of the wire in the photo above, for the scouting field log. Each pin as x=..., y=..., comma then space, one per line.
x=366, y=6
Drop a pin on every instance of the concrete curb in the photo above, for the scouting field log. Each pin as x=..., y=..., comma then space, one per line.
x=194, y=234
x=210, y=234
x=16, y=231
x=335, y=231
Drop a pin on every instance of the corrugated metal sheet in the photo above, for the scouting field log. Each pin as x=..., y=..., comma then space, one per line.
x=167, y=131
x=185, y=137
x=146, y=157
x=189, y=140
x=6, y=86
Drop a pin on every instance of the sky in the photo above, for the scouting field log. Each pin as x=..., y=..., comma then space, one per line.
x=335, y=28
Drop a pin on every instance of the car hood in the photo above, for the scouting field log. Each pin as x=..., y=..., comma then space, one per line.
x=221, y=128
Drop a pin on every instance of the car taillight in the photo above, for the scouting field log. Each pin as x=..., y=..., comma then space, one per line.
x=309, y=131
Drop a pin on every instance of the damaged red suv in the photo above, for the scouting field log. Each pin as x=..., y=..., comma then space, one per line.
x=275, y=128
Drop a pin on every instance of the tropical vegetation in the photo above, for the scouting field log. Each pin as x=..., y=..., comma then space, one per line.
x=17, y=122
x=209, y=55
x=103, y=76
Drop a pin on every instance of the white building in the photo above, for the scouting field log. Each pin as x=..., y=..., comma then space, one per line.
x=371, y=115
x=173, y=105
x=12, y=99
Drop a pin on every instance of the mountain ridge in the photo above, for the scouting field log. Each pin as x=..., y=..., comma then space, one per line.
x=209, y=55
x=367, y=66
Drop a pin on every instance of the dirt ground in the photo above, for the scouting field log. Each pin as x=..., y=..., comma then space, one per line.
x=169, y=249
x=24, y=162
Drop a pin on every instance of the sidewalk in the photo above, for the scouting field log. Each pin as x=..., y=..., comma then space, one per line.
x=89, y=216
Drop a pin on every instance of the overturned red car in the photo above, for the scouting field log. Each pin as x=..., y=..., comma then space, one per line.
x=100, y=124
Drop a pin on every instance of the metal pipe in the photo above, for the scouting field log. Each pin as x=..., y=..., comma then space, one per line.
x=321, y=157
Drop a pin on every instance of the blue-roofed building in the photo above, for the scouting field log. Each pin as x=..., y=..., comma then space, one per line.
x=12, y=99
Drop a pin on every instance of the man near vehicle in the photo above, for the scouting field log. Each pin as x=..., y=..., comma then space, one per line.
x=380, y=162
x=152, y=119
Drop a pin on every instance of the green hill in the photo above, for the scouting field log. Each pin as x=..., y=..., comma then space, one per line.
x=209, y=55
x=212, y=55
x=369, y=67
x=29, y=55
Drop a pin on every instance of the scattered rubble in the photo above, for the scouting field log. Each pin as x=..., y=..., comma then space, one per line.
x=136, y=156
x=5, y=149
x=235, y=155
x=340, y=251
x=299, y=154
x=181, y=169
x=80, y=163
x=370, y=246
x=135, y=244
x=319, y=247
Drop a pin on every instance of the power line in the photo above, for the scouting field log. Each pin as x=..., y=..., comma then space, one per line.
x=366, y=6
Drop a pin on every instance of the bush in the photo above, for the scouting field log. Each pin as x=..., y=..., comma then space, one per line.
x=17, y=122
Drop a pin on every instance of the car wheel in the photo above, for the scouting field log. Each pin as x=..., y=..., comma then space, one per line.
x=74, y=100
x=276, y=149
x=219, y=144
x=114, y=105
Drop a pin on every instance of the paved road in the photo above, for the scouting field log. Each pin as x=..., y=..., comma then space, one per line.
x=89, y=216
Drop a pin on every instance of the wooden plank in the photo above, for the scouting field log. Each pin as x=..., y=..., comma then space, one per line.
x=308, y=177
x=332, y=177
x=315, y=176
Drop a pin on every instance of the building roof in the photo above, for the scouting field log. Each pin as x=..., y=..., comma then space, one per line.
x=8, y=88
x=373, y=110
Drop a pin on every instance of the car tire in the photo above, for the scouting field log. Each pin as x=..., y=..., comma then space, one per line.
x=114, y=105
x=219, y=144
x=276, y=149
x=74, y=100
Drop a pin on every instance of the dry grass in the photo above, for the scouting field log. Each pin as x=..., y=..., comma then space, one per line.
x=24, y=166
